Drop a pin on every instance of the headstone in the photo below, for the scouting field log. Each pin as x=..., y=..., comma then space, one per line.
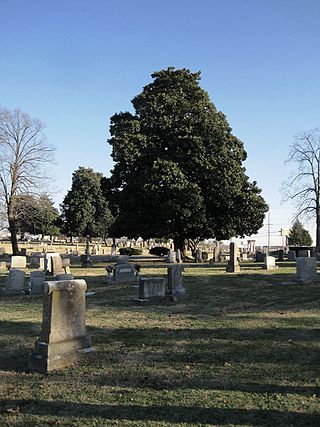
x=175, y=287
x=63, y=338
x=280, y=254
x=56, y=265
x=244, y=256
x=3, y=265
x=123, y=271
x=306, y=270
x=47, y=261
x=178, y=256
x=233, y=264
x=217, y=252
x=270, y=263
x=315, y=255
x=95, y=250
x=152, y=287
x=23, y=252
x=113, y=249
x=15, y=280
x=36, y=281
x=18, y=261
x=198, y=256
x=123, y=259
x=2, y=250
x=65, y=262
x=303, y=253
x=291, y=255
x=260, y=257
x=172, y=257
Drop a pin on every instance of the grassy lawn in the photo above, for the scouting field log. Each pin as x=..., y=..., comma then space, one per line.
x=242, y=350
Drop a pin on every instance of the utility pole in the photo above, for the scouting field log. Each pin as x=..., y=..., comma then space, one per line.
x=268, y=250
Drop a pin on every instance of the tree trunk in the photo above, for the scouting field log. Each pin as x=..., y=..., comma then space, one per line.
x=14, y=239
x=180, y=243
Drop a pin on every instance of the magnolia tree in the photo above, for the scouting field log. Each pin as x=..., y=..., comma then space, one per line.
x=178, y=167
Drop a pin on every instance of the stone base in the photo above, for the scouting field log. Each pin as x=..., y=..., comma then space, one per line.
x=48, y=357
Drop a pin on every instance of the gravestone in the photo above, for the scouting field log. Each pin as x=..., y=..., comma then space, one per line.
x=113, y=250
x=198, y=256
x=18, y=261
x=63, y=338
x=205, y=256
x=2, y=250
x=36, y=281
x=244, y=256
x=56, y=265
x=233, y=264
x=217, y=252
x=303, y=253
x=315, y=255
x=172, y=257
x=3, y=265
x=123, y=271
x=270, y=263
x=176, y=289
x=23, y=252
x=15, y=280
x=306, y=270
x=152, y=287
x=47, y=261
x=291, y=255
x=65, y=262
x=280, y=255
x=178, y=256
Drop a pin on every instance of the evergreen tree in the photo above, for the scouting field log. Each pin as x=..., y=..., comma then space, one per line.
x=178, y=168
x=85, y=211
x=298, y=236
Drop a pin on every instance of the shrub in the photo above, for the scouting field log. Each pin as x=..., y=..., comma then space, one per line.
x=130, y=251
x=159, y=251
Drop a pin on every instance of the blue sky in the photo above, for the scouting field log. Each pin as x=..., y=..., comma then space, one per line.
x=74, y=63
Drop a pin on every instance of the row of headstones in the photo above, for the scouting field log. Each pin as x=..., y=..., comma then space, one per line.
x=306, y=266
x=52, y=265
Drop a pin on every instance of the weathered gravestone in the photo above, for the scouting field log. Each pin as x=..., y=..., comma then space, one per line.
x=233, y=264
x=270, y=263
x=47, y=261
x=64, y=276
x=123, y=271
x=306, y=270
x=217, y=252
x=151, y=288
x=36, y=282
x=280, y=254
x=178, y=256
x=18, y=261
x=175, y=289
x=15, y=280
x=172, y=257
x=56, y=265
x=63, y=338
x=3, y=265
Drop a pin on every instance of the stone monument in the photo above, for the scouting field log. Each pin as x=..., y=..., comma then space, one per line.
x=306, y=270
x=233, y=264
x=63, y=338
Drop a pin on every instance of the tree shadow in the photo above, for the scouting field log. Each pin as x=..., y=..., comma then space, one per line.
x=165, y=413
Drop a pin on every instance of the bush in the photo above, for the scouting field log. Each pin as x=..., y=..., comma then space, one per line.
x=159, y=251
x=130, y=251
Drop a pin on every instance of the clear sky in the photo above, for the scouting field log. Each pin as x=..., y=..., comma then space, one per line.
x=74, y=63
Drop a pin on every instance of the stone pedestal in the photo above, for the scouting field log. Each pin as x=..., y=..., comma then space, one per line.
x=63, y=338
x=306, y=270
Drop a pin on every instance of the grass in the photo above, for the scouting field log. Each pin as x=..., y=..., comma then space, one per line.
x=242, y=350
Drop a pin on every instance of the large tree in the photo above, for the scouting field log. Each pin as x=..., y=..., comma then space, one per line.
x=85, y=210
x=178, y=168
x=24, y=157
x=36, y=215
x=303, y=185
x=298, y=235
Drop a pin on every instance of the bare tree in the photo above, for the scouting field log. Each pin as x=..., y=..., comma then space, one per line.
x=303, y=186
x=24, y=155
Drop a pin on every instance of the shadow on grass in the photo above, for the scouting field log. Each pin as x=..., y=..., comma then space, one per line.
x=170, y=414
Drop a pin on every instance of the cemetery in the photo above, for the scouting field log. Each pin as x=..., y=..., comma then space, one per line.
x=199, y=343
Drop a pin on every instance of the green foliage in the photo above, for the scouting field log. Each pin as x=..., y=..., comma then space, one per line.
x=299, y=236
x=130, y=251
x=36, y=215
x=85, y=210
x=178, y=169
